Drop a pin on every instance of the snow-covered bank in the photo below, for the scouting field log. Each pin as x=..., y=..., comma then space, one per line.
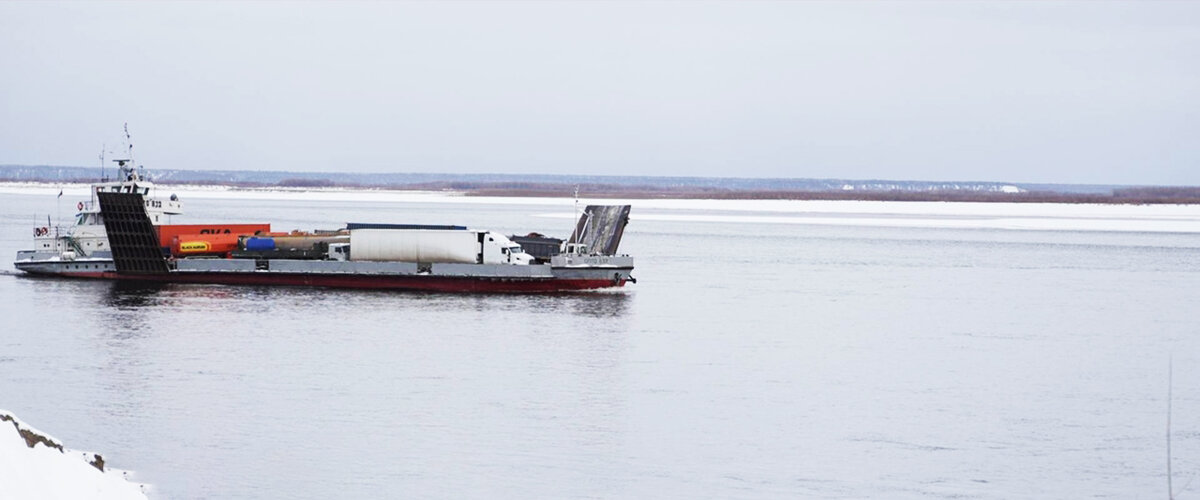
x=1136, y=225
x=35, y=465
x=915, y=214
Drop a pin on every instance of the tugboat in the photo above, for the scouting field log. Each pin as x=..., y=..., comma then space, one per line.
x=82, y=249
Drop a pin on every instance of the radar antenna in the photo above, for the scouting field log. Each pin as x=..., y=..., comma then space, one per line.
x=127, y=170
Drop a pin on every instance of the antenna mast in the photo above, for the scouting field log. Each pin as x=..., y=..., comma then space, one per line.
x=128, y=141
x=575, y=230
x=125, y=166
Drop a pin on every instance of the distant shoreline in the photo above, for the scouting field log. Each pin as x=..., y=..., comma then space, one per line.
x=1106, y=217
x=1123, y=196
x=955, y=196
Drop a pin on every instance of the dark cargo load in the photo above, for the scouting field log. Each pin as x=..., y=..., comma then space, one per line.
x=540, y=247
x=315, y=254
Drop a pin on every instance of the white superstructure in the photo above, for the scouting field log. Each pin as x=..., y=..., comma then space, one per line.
x=82, y=246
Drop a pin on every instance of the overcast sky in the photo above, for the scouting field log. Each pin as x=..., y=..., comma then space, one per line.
x=1079, y=92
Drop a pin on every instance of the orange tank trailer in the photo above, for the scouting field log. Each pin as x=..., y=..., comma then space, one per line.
x=168, y=232
x=204, y=244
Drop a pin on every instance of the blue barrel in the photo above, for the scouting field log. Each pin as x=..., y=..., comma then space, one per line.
x=260, y=244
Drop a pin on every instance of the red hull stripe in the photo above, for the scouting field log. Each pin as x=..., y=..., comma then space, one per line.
x=420, y=283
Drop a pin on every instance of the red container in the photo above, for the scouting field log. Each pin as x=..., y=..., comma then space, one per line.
x=168, y=232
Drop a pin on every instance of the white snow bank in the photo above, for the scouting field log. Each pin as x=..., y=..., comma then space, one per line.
x=925, y=214
x=1113, y=224
x=35, y=465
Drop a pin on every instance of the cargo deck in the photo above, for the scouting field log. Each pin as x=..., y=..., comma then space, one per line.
x=371, y=256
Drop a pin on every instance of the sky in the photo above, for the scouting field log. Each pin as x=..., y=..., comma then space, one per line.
x=1072, y=92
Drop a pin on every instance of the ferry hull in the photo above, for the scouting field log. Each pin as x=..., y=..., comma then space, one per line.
x=410, y=283
x=405, y=283
x=579, y=281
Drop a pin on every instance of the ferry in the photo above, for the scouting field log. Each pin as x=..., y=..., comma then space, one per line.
x=125, y=233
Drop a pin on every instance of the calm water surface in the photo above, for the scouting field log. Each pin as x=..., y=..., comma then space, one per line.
x=750, y=361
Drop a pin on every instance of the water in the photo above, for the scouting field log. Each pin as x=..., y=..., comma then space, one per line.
x=750, y=361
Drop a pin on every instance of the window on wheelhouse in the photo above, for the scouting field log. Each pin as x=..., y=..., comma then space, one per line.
x=85, y=219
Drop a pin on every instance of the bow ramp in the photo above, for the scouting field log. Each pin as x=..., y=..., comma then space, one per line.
x=600, y=228
x=131, y=235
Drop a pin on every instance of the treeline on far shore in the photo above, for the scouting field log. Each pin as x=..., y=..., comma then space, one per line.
x=962, y=196
x=1139, y=195
x=1134, y=195
x=1129, y=195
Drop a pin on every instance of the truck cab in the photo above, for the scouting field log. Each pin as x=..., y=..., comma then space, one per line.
x=498, y=249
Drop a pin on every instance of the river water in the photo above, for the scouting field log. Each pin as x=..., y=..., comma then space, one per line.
x=769, y=350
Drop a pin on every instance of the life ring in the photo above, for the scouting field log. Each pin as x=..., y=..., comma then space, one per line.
x=80, y=205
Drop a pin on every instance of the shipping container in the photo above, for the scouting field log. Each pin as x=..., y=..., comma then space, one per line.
x=168, y=232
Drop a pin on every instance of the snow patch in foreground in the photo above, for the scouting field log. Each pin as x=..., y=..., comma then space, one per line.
x=35, y=465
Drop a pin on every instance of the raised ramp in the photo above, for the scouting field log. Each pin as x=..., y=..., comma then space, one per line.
x=601, y=227
x=131, y=236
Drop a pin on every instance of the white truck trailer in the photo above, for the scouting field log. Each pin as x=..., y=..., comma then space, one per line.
x=461, y=246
